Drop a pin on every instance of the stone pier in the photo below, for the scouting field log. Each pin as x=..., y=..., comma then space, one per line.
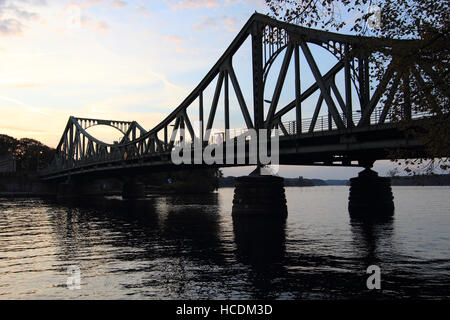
x=370, y=195
x=258, y=194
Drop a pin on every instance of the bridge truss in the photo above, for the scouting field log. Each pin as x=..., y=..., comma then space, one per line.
x=270, y=40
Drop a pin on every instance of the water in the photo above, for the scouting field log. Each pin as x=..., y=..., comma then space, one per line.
x=189, y=247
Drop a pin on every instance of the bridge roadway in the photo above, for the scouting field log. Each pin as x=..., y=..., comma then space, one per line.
x=347, y=147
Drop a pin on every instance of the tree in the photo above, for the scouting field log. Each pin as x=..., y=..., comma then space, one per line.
x=424, y=63
x=29, y=153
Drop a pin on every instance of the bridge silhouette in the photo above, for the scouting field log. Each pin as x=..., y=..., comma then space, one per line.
x=348, y=134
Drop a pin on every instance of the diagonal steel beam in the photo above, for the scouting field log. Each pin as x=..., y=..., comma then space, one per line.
x=239, y=96
x=365, y=117
x=174, y=133
x=437, y=81
x=308, y=92
x=212, y=112
x=279, y=85
x=430, y=98
x=188, y=125
x=282, y=127
x=316, y=113
x=390, y=98
x=342, y=104
x=338, y=96
x=322, y=85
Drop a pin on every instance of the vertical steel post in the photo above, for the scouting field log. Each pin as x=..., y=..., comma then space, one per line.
x=258, y=84
x=200, y=110
x=226, y=106
x=348, y=89
x=407, y=97
x=298, y=105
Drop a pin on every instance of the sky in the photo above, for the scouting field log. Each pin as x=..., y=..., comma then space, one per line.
x=119, y=59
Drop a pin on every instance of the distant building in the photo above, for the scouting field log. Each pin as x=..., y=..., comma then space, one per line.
x=7, y=163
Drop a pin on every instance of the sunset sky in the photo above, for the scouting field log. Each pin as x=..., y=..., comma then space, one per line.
x=111, y=59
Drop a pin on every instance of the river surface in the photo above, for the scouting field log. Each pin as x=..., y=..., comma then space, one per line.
x=189, y=247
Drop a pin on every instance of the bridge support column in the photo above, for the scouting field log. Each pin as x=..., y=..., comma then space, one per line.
x=259, y=195
x=370, y=195
x=132, y=189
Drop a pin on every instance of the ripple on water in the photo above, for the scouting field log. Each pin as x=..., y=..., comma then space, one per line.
x=189, y=247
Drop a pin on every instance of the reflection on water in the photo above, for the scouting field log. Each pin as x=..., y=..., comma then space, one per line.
x=190, y=247
x=260, y=242
x=371, y=234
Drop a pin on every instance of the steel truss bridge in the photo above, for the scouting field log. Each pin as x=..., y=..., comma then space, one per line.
x=342, y=136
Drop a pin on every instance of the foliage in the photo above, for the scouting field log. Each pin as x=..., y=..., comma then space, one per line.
x=28, y=153
x=424, y=62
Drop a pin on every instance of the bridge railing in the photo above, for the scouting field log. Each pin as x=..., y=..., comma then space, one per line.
x=321, y=124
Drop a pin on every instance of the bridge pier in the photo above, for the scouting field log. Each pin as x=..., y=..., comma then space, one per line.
x=370, y=195
x=259, y=195
x=83, y=188
x=133, y=189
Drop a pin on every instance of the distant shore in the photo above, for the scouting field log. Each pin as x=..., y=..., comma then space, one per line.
x=430, y=180
x=29, y=186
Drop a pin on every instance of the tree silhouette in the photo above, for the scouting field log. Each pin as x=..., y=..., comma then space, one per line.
x=28, y=153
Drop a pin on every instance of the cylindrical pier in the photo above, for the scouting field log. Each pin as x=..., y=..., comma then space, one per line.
x=259, y=195
x=370, y=195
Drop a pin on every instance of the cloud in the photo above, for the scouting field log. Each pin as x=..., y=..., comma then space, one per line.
x=176, y=43
x=172, y=39
x=27, y=15
x=87, y=3
x=257, y=3
x=206, y=23
x=119, y=4
x=12, y=17
x=223, y=22
x=229, y=23
x=35, y=2
x=97, y=26
x=142, y=9
x=20, y=129
x=10, y=27
x=194, y=4
x=30, y=108
x=20, y=85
